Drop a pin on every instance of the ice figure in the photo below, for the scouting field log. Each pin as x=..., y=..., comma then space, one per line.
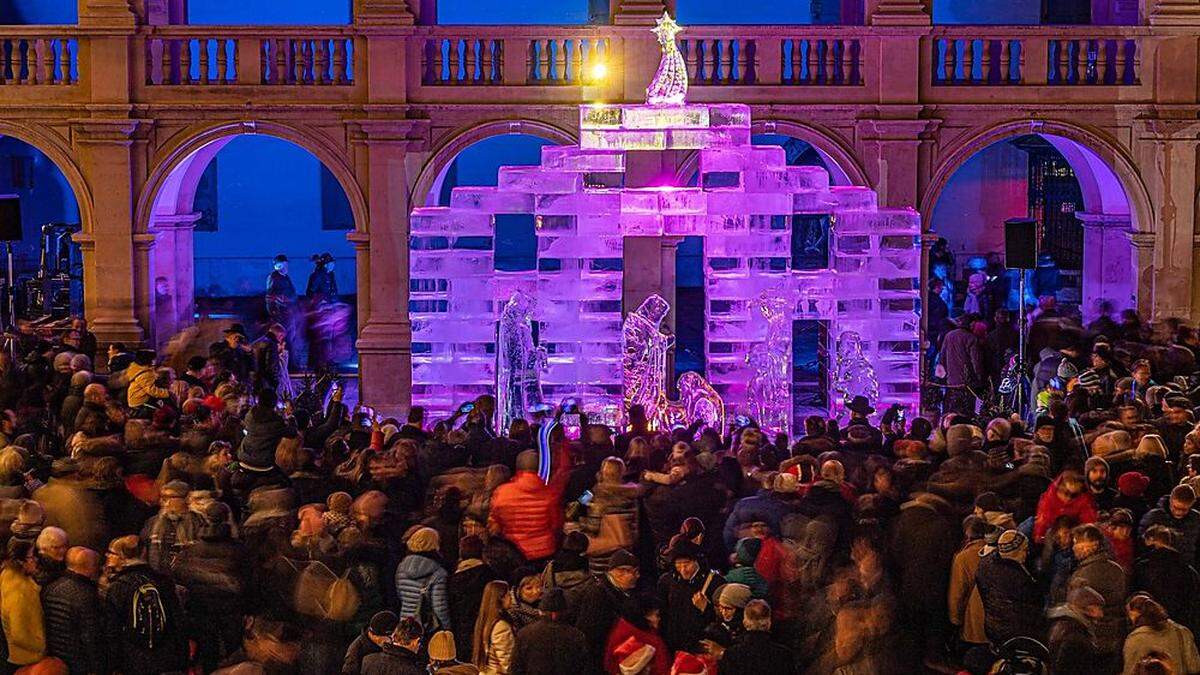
x=670, y=83
x=644, y=350
x=519, y=362
x=853, y=373
x=768, y=393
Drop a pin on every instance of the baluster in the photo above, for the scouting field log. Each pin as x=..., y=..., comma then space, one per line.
x=812, y=53
x=222, y=60
x=282, y=47
x=486, y=74
x=1054, y=53
x=839, y=61
x=472, y=60
x=855, y=62
x=27, y=62
x=202, y=45
x=433, y=61
x=237, y=61
x=791, y=61
x=321, y=67
x=685, y=47
x=545, y=60
x=1005, y=61
x=560, y=61
x=531, y=61
x=45, y=61
x=297, y=61
x=968, y=63
x=185, y=62
x=985, y=62
x=724, y=65
x=166, y=74
x=1134, y=72
x=577, y=61
x=64, y=62
x=340, y=59
x=830, y=65
x=1078, y=60
x=4, y=61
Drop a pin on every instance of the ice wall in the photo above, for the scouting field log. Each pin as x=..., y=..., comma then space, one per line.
x=744, y=205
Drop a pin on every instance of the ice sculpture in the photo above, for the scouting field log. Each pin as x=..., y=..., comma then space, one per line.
x=670, y=83
x=854, y=375
x=748, y=204
x=769, y=392
x=519, y=361
x=644, y=350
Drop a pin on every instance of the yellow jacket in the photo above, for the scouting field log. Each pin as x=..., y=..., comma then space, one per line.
x=21, y=612
x=141, y=385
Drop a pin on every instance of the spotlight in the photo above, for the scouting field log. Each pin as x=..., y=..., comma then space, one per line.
x=599, y=71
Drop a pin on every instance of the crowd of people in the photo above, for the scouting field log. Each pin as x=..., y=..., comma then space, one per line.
x=162, y=522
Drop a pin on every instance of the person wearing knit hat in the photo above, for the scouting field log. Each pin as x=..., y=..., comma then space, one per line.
x=420, y=576
x=987, y=501
x=1151, y=445
x=172, y=528
x=443, y=656
x=745, y=555
x=1012, y=545
x=1113, y=445
x=734, y=595
x=1099, y=482
x=963, y=438
x=1132, y=484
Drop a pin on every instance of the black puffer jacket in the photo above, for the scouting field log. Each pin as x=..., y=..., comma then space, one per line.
x=1012, y=601
x=74, y=629
x=127, y=645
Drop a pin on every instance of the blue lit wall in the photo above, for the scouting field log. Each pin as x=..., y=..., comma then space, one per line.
x=258, y=218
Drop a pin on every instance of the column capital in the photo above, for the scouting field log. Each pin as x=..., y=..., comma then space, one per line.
x=107, y=14
x=898, y=13
x=104, y=131
x=908, y=130
x=1142, y=240
x=386, y=334
x=143, y=241
x=638, y=12
x=175, y=221
x=928, y=239
x=1174, y=13
x=383, y=13
x=1105, y=220
x=413, y=135
x=361, y=241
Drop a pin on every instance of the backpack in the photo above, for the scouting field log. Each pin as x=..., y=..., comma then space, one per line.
x=425, y=612
x=149, y=616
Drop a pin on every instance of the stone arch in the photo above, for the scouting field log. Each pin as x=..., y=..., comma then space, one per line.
x=844, y=168
x=164, y=256
x=1113, y=192
x=434, y=170
x=192, y=149
x=1098, y=161
x=52, y=145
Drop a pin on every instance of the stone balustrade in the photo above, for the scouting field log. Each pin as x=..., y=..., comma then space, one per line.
x=755, y=64
x=38, y=56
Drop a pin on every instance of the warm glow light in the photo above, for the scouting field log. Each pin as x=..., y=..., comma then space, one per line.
x=599, y=71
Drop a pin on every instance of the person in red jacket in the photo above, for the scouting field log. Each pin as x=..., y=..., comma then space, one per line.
x=1066, y=496
x=528, y=512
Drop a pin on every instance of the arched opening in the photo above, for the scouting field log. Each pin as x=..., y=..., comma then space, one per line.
x=470, y=159
x=39, y=213
x=1085, y=214
x=221, y=211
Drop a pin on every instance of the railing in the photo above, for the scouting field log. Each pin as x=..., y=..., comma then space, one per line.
x=721, y=61
x=820, y=61
x=32, y=59
x=462, y=61
x=511, y=56
x=214, y=55
x=1063, y=56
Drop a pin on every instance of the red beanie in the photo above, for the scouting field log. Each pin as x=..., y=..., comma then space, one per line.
x=1133, y=484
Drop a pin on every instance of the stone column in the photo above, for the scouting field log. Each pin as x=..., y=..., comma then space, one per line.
x=1167, y=152
x=385, y=333
x=1108, y=265
x=1173, y=12
x=103, y=148
x=892, y=158
x=172, y=279
x=1142, y=251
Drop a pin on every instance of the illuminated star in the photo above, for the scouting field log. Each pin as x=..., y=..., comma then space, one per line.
x=666, y=28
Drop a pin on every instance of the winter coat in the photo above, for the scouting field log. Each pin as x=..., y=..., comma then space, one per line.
x=466, y=592
x=548, y=647
x=74, y=632
x=92, y=419
x=824, y=499
x=71, y=406
x=1081, y=509
x=166, y=535
x=597, y=606
x=530, y=512
x=1169, y=579
x=745, y=570
x=264, y=429
x=500, y=646
x=1072, y=644
x=142, y=387
x=966, y=607
x=962, y=358
x=923, y=543
x=682, y=622
x=359, y=649
x=1172, y=639
x=393, y=660
x=1107, y=578
x=667, y=506
x=213, y=570
x=766, y=507
x=418, y=575
x=1187, y=529
x=21, y=614
x=1012, y=600
x=755, y=653
x=169, y=652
